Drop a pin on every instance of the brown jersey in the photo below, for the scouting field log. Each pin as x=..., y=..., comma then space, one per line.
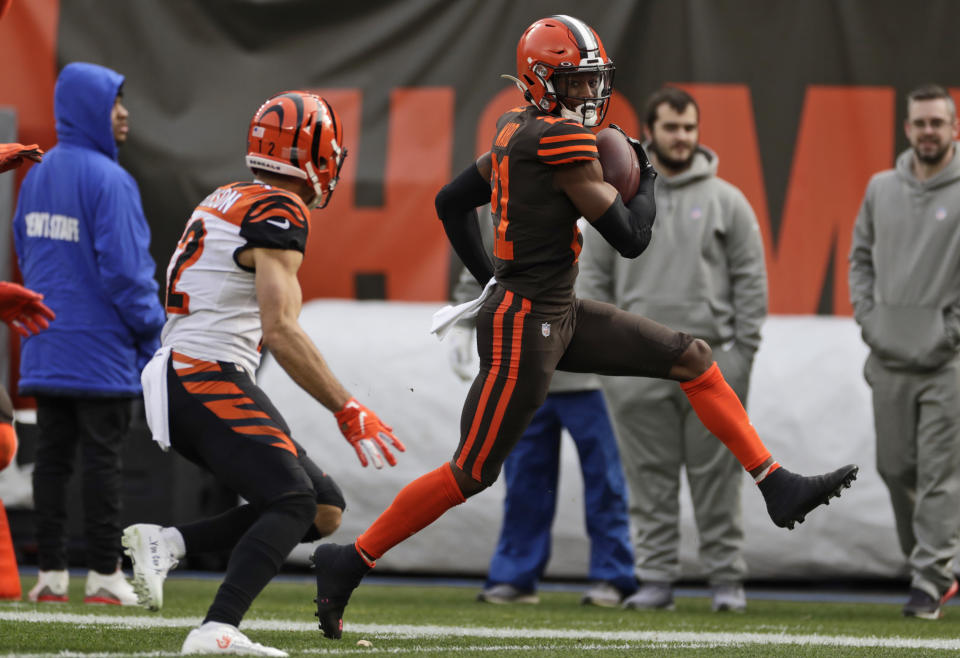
x=536, y=239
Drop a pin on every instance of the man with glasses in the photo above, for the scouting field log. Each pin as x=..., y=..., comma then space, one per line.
x=905, y=290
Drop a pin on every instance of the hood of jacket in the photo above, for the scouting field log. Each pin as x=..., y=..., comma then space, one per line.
x=83, y=100
x=947, y=175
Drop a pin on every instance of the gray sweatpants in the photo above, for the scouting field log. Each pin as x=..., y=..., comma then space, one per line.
x=659, y=434
x=917, y=418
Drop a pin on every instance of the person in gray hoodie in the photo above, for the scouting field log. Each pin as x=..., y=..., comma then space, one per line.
x=905, y=290
x=704, y=274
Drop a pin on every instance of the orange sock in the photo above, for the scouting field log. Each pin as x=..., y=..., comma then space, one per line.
x=8, y=444
x=418, y=504
x=719, y=409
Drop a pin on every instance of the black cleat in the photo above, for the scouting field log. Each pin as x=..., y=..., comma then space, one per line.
x=790, y=497
x=339, y=570
x=923, y=606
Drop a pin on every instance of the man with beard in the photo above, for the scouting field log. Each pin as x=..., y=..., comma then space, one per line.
x=703, y=274
x=905, y=290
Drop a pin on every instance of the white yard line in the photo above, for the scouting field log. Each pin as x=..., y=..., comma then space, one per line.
x=78, y=654
x=604, y=639
x=348, y=650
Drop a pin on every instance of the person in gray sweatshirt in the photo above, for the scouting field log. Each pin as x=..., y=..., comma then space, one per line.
x=905, y=290
x=704, y=274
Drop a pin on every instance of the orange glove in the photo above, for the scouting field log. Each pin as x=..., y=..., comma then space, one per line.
x=12, y=155
x=365, y=432
x=23, y=310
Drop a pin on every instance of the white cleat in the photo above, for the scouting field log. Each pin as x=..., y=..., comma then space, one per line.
x=152, y=558
x=214, y=637
x=110, y=589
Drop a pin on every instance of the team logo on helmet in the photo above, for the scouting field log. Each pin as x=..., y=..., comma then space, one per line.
x=563, y=68
x=298, y=134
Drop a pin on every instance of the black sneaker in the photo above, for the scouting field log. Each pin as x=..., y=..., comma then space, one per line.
x=923, y=606
x=339, y=570
x=790, y=497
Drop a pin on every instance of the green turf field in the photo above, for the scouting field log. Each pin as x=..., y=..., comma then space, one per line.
x=434, y=621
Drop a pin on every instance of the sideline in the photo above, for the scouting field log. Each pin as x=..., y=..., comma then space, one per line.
x=673, y=639
x=895, y=595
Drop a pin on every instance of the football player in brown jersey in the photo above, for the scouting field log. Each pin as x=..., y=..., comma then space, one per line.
x=541, y=174
x=21, y=309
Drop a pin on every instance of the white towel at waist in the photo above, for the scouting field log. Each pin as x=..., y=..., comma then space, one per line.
x=446, y=317
x=153, y=378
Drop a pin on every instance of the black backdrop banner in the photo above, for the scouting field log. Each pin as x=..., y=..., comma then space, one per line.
x=802, y=100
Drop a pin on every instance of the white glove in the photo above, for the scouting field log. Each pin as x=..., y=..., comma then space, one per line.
x=462, y=352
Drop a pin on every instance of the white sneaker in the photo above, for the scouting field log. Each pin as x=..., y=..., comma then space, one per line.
x=152, y=558
x=507, y=593
x=652, y=595
x=602, y=594
x=217, y=638
x=111, y=589
x=728, y=597
x=51, y=587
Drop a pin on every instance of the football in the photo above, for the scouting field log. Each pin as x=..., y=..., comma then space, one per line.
x=619, y=162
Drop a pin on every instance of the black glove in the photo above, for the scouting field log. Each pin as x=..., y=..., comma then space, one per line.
x=646, y=169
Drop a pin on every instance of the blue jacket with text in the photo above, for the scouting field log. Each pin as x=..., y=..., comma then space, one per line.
x=82, y=241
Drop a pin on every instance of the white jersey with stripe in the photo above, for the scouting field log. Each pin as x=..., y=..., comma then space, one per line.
x=212, y=308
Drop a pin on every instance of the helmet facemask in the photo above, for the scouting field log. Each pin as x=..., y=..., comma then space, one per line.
x=582, y=94
x=321, y=179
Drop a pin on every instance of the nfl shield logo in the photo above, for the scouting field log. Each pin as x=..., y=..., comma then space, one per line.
x=545, y=329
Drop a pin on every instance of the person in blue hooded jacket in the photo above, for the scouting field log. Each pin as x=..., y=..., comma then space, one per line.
x=82, y=242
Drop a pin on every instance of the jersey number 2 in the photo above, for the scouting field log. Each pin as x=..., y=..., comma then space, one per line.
x=188, y=252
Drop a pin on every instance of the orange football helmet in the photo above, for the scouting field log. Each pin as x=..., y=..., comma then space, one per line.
x=549, y=53
x=298, y=134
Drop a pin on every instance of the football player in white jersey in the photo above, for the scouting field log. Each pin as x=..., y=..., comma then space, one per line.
x=232, y=287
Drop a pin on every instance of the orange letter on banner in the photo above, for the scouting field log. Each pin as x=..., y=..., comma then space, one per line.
x=845, y=136
x=28, y=69
x=403, y=240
